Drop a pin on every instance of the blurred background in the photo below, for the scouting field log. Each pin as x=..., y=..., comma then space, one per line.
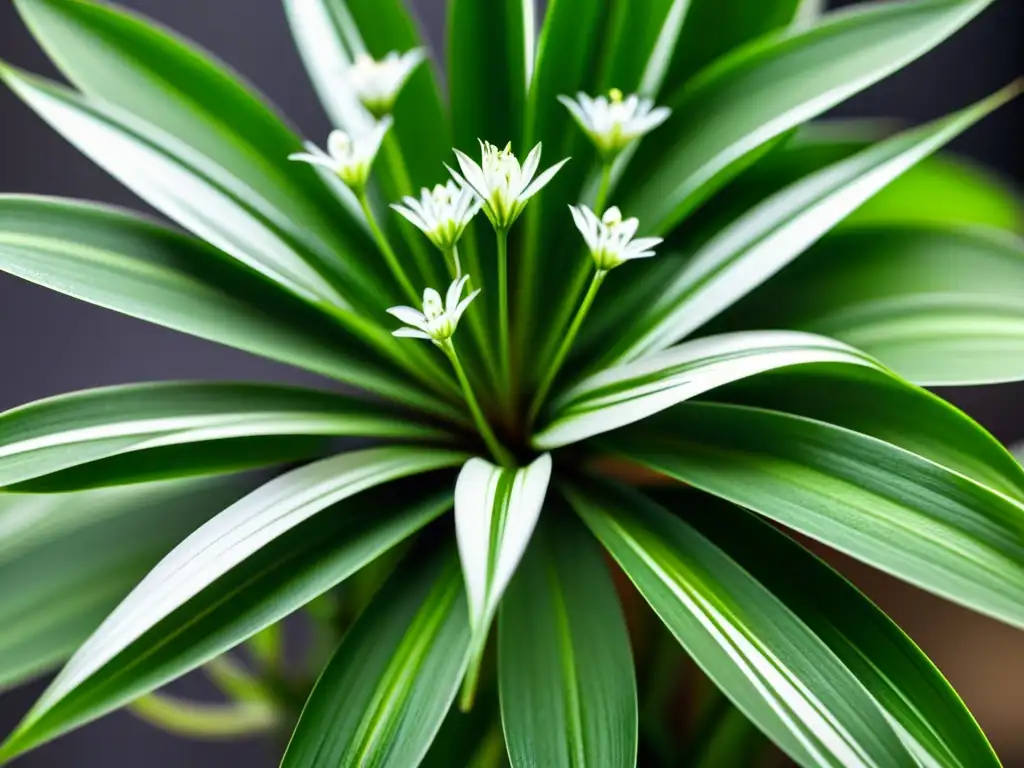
x=51, y=344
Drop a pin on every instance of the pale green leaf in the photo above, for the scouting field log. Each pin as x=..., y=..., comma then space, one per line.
x=384, y=695
x=628, y=393
x=124, y=434
x=875, y=501
x=755, y=649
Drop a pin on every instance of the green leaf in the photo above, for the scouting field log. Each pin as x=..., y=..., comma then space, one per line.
x=126, y=60
x=713, y=28
x=496, y=510
x=568, y=692
x=921, y=706
x=190, y=188
x=777, y=230
x=74, y=557
x=131, y=265
x=940, y=305
x=755, y=649
x=384, y=695
x=735, y=108
x=632, y=392
x=250, y=566
x=116, y=435
x=875, y=501
x=880, y=405
x=490, y=66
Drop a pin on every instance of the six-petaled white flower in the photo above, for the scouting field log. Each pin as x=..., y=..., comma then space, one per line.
x=610, y=238
x=442, y=213
x=378, y=83
x=350, y=157
x=503, y=184
x=438, y=321
x=614, y=122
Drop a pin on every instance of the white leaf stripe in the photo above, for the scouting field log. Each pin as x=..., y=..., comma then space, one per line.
x=496, y=511
x=230, y=538
x=631, y=392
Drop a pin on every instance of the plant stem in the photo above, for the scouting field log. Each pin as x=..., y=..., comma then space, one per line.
x=454, y=265
x=566, y=345
x=403, y=186
x=503, y=342
x=385, y=248
x=498, y=451
x=203, y=720
x=602, y=191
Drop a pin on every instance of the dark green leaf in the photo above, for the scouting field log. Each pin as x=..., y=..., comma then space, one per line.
x=922, y=707
x=249, y=567
x=877, y=502
x=123, y=434
x=745, y=101
x=763, y=657
x=939, y=305
x=632, y=392
x=763, y=240
x=384, y=695
x=69, y=559
x=568, y=692
x=131, y=265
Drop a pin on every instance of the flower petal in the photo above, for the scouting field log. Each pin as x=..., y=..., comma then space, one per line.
x=542, y=180
x=412, y=333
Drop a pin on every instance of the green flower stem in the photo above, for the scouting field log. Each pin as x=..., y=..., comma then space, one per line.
x=602, y=191
x=498, y=451
x=385, y=248
x=504, y=352
x=454, y=265
x=566, y=345
x=403, y=183
x=202, y=720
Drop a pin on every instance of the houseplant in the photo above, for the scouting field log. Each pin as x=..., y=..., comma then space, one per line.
x=542, y=410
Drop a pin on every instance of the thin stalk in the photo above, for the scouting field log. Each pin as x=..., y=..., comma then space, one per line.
x=504, y=352
x=454, y=265
x=566, y=345
x=498, y=451
x=202, y=720
x=579, y=278
x=602, y=191
x=403, y=184
x=385, y=248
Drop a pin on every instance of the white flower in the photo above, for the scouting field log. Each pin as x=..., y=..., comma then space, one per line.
x=613, y=123
x=350, y=157
x=504, y=185
x=442, y=213
x=377, y=83
x=437, y=322
x=610, y=238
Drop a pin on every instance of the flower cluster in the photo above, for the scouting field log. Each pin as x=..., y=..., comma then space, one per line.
x=377, y=83
x=441, y=213
x=438, y=320
x=614, y=122
x=350, y=157
x=610, y=237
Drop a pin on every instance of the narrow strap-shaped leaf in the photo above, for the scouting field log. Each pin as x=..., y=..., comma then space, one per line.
x=496, y=510
x=490, y=66
x=762, y=241
x=247, y=568
x=752, y=97
x=628, y=393
x=640, y=37
x=384, y=695
x=132, y=265
x=885, y=407
x=762, y=655
x=121, y=434
x=192, y=189
x=713, y=28
x=126, y=60
x=879, y=503
x=67, y=560
x=939, y=305
x=922, y=707
x=568, y=691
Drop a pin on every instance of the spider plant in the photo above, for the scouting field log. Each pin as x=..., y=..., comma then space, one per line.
x=589, y=337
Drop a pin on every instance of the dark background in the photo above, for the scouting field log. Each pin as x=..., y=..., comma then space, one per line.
x=51, y=344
